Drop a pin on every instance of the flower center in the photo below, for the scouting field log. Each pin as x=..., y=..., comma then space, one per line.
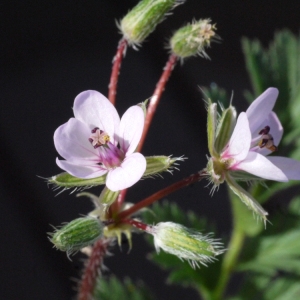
x=98, y=138
x=266, y=140
x=110, y=155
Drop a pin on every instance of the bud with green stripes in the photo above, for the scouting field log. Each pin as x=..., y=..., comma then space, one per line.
x=77, y=234
x=144, y=17
x=186, y=244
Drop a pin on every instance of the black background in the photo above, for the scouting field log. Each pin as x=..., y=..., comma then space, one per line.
x=53, y=50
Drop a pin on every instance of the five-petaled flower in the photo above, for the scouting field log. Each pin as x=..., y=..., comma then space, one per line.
x=256, y=134
x=97, y=142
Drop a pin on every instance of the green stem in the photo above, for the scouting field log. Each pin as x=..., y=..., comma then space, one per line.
x=231, y=257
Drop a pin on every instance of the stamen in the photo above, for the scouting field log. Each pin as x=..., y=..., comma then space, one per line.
x=98, y=138
x=265, y=130
x=267, y=140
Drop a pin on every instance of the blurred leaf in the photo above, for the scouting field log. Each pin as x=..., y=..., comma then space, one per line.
x=266, y=288
x=272, y=260
x=244, y=219
x=125, y=290
x=216, y=94
x=166, y=211
x=276, y=252
x=278, y=66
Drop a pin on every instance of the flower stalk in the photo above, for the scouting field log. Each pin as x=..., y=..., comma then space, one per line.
x=117, y=61
x=92, y=269
x=136, y=224
x=231, y=256
x=156, y=96
x=162, y=193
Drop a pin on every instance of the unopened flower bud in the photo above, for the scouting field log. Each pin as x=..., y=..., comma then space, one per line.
x=77, y=234
x=159, y=164
x=144, y=17
x=185, y=243
x=193, y=38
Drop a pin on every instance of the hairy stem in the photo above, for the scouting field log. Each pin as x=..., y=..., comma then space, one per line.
x=112, y=88
x=136, y=224
x=156, y=96
x=92, y=270
x=162, y=193
x=150, y=111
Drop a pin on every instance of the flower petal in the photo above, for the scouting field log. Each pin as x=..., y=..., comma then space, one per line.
x=94, y=109
x=81, y=171
x=261, y=166
x=289, y=166
x=130, y=171
x=260, y=108
x=239, y=143
x=71, y=141
x=131, y=128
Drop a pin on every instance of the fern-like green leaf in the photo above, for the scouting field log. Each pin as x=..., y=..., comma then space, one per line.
x=125, y=290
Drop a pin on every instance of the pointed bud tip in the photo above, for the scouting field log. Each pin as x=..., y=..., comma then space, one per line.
x=160, y=163
x=192, y=39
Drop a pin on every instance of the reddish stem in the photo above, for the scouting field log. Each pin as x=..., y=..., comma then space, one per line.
x=150, y=113
x=92, y=270
x=137, y=224
x=162, y=193
x=116, y=206
x=112, y=88
x=156, y=97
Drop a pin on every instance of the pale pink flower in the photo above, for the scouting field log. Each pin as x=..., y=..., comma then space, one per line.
x=258, y=133
x=97, y=142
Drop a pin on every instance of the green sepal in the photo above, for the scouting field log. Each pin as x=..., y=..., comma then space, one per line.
x=155, y=165
x=160, y=163
x=225, y=128
x=244, y=176
x=244, y=220
x=143, y=106
x=144, y=17
x=77, y=234
x=65, y=180
x=246, y=198
x=108, y=197
x=211, y=127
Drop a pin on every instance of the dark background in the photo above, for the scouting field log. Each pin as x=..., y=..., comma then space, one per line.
x=53, y=50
